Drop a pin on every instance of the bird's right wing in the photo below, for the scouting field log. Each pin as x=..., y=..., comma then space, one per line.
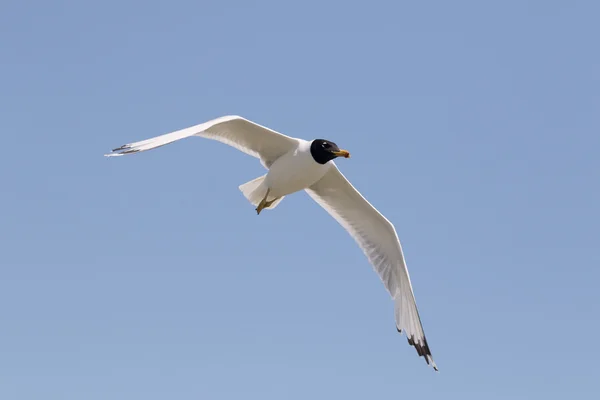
x=377, y=238
x=240, y=133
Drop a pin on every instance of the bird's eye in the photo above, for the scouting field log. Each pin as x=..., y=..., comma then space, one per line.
x=325, y=144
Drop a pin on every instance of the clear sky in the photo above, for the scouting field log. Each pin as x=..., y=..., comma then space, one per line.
x=473, y=126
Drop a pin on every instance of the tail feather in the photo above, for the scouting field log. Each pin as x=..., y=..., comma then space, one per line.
x=255, y=191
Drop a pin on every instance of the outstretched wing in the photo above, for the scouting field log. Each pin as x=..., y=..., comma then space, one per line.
x=377, y=237
x=240, y=133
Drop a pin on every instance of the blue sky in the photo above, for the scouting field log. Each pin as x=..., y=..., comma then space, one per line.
x=473, y=127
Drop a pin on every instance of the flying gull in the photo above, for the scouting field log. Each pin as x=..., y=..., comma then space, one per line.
x=295, y=164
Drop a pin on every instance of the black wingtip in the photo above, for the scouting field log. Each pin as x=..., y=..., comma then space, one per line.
x=125, y=149
x=130, y=151
x=422, y=349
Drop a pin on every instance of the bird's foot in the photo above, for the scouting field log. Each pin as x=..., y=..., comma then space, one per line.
x=263, y=203
x=268, y=203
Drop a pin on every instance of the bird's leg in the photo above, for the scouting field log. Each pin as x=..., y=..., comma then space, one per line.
x=263, y=203
x=268, y=203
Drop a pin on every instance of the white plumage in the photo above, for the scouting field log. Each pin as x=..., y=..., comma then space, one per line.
x=295, y=164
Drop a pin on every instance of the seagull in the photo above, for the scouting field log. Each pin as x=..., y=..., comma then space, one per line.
x=295, y=164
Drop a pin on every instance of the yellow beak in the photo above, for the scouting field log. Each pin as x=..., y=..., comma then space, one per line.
x=342, y=153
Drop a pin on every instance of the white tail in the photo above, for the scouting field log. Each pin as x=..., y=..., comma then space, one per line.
x=255, y=191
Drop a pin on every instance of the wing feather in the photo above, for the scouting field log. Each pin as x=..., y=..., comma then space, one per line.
x=377, y=238
x=238, y=132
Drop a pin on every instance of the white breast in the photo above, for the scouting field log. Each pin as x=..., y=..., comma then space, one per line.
x=294, y=171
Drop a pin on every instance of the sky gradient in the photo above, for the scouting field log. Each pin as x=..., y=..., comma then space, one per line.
x=473, y=126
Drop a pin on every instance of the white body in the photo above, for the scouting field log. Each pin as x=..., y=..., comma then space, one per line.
x=294, y=171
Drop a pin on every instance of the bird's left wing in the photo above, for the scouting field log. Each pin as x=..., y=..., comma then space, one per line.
x=377, y=238
x=240, y=133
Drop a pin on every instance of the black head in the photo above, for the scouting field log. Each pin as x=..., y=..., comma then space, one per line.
x=325, y=150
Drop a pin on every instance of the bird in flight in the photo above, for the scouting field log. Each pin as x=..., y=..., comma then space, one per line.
x=295, y=164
